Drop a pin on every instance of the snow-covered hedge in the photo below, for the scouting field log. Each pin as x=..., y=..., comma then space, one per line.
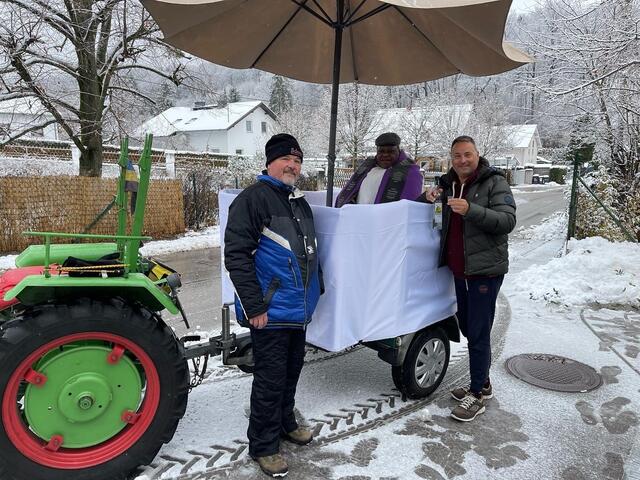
x=621, y=199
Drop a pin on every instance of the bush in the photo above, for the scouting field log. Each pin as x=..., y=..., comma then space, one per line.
x=591, y=218
x=557, y=175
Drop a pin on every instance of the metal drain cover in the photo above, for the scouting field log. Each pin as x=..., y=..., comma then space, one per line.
x=553, y=372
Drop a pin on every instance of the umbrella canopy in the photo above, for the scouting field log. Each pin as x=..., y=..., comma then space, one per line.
x=385, y=43
x=394, y=42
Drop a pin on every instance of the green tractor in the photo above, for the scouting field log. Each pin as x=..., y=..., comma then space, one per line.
x=92, y=380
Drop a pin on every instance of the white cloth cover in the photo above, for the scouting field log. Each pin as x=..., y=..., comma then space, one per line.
x=380, y=265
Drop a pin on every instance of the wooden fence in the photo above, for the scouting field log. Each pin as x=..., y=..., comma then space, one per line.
x=69, y=204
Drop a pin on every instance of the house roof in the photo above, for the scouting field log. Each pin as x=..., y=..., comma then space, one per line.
x=395, y=119
x=189, y=119
x=520, y=136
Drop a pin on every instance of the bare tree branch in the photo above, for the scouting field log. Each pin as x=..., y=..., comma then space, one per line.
x=133, y=92
x=24, y=132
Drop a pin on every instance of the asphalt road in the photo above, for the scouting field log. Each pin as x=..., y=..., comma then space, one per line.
x=201, y=297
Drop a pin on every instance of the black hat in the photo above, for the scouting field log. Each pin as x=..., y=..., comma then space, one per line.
x=388, y=139
x=280, y=145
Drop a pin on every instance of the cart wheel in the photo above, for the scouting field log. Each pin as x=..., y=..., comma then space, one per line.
x=90, y=390
x=247, y=367
x=425, y=364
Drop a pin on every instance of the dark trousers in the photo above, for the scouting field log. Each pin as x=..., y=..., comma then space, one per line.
x=278, y=355
x=476, y=310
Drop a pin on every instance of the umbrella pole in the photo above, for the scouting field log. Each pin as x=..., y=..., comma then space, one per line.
x=335, y=88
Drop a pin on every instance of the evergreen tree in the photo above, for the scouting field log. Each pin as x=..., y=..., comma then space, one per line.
x=223, y=99
x=281, y=99
x=233, y=95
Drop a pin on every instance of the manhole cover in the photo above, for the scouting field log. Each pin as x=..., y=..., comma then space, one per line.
x=553, y=372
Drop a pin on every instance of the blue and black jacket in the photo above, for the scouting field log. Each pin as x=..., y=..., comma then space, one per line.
x=270, y=252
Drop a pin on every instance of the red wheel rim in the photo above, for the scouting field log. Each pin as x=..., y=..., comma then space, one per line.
x=33, y=447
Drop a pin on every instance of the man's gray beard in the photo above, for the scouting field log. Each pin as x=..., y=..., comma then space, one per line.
x=288, y=180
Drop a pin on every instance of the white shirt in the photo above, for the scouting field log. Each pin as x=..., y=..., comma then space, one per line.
x=370, y=185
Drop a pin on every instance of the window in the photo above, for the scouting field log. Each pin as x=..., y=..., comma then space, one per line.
x=215, y=150
x=263, y=126
x=249, y=126
x=239, y=151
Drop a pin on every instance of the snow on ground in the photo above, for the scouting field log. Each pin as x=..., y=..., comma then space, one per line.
x=20, y=167
x=41, y=167
x=594, y=271
x=536, y=187
x=8, y=261
x=553, y=227
x=208, y=238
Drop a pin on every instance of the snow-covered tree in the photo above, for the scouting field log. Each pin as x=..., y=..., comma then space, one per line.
x=589, y=56
x=357, y=119
x=76, y=57
x=280, y=99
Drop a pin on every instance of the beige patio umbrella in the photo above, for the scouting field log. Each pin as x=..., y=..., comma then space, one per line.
x=393, y=42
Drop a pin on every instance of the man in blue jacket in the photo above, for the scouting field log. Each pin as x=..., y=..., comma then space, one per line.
x=270, y=252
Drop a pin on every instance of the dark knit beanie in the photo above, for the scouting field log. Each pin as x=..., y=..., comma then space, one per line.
x=388, y=139
x=280, y=145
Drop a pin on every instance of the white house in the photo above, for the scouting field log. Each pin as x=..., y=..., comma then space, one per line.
x=239, y=128
x=20, y=114
x=523, y=142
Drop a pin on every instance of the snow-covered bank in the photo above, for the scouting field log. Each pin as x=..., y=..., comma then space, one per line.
x=207, y=238
x=594, y=271
x=191, y=240
x=8, y=261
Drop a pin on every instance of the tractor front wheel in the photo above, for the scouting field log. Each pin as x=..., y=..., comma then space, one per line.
x=89, y=390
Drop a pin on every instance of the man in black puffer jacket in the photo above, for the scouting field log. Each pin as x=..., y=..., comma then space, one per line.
x=270, y=252
x=478, y=215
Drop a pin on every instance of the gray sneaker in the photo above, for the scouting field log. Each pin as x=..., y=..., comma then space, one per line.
x=468, y=409
x=273, y=465
x=461, y=392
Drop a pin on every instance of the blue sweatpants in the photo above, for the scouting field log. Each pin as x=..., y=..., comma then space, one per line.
x=476, y=309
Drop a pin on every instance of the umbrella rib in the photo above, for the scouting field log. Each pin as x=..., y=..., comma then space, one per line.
x=353, y=14
x=375, y=11
x=302, y=5
x=326, y=15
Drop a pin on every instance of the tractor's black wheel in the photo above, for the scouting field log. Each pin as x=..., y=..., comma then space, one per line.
x=89, y=390
x=425, y=364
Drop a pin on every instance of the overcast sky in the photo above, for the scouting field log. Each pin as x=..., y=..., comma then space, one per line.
x=523, y=5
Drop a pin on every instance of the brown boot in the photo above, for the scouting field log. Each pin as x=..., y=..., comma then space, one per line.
x=300, y=435
x=273, y=465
